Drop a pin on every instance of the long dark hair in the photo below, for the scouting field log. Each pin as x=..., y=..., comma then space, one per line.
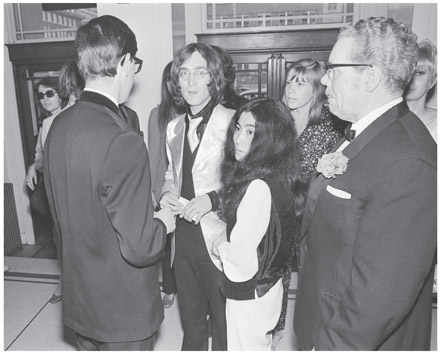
x=168, y=107
x=274, y=154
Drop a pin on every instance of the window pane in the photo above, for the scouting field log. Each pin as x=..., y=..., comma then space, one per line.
x=43, y=19
x=273, y=14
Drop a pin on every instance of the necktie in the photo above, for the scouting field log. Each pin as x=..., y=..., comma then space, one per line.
x=193, y=138
x=350, y=135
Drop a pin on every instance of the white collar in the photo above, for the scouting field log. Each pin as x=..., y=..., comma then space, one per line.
x=102, y=93
x=368, y=119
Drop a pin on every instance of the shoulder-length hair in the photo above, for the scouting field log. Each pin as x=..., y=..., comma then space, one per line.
x=274, y=153
x=167, y=108
x=428, y=58
x=215, y=68
x=70, y=81
x=310, y=71
x=50, y=82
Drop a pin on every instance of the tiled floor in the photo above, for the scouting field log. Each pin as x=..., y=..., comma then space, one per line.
x=31, y=323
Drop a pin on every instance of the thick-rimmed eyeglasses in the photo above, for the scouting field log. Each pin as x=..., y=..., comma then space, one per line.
x=49, y=94
x=137, y=63
x=198, y=74
x=329, y=67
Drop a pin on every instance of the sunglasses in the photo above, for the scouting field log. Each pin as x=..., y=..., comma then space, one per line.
x=49, y=94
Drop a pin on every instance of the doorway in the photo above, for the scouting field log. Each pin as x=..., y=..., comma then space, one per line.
x=31, y=62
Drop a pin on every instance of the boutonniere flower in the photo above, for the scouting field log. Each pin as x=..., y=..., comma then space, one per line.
x=332, y=164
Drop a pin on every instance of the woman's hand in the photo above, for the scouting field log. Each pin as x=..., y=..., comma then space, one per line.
x=31, y=177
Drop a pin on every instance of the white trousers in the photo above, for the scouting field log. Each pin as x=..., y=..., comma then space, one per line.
x=249, y=321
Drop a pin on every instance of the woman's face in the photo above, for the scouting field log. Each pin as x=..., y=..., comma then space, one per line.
x=49, y=98
x=244, y=135
x=420, y=84
x=299, y=92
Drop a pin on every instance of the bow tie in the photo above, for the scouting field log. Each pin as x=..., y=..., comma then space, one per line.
x=350, y=135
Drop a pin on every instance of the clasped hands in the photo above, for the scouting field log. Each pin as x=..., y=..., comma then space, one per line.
x=193, y=211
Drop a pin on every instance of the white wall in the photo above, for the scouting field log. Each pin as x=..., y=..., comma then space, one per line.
x=152, y=25
x=14, y=170
x=425, y=26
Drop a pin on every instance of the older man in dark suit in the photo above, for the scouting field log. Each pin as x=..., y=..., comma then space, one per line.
x=369, y=226
x=98, y=182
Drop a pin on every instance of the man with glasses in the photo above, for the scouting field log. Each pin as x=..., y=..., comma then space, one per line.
x=195, y=149
x=97, y=177
x=369, y=226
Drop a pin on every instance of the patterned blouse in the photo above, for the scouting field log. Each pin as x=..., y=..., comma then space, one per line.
x=318, y=139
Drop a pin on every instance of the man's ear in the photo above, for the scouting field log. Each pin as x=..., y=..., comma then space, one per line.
x=373, y=79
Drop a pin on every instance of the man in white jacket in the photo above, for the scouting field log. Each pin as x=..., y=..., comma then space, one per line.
x=195, y=142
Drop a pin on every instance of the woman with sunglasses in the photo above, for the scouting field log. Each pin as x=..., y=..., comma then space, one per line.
x=318, y=132
x=51, y=103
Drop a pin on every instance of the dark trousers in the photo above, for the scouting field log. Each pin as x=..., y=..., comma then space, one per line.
x=84, y=343
x=168, y=278
x=197, y=280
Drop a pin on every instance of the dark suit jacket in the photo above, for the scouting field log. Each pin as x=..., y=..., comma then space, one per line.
x=131, y=118
x=366, y=273
x=98, y=184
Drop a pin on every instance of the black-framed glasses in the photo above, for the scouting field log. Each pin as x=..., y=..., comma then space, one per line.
x=137, y=63
x=49, y=94
x=332, y=66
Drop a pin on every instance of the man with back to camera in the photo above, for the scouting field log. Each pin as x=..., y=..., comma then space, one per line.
x=195, y=142
x=369, y=231
x=98, y=183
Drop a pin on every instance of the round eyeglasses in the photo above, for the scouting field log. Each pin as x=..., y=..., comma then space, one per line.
x=197, y=74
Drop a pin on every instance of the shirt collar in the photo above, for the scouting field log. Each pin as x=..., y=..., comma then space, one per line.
x=114, y=100
x=368, y=119
x=98, y=98
x=205, y=112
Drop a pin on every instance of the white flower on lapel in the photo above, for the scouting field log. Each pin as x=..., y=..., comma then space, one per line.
x=332, y=164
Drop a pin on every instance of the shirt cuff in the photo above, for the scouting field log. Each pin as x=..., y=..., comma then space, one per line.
x=215, y=200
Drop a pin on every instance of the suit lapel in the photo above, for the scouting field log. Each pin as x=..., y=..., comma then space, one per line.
x=207, y=145
x=350, y=151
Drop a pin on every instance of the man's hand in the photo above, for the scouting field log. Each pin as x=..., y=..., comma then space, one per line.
x=167, y=217
x=171, y=201
x=196, y=208
x=31, y=177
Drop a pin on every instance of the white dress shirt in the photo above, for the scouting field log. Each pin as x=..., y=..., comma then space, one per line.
x=368, y=119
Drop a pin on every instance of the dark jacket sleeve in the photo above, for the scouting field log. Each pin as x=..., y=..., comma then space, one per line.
x=392, y=257
x=126, y=194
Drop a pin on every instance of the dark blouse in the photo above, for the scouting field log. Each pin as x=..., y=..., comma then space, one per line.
x=318, y=139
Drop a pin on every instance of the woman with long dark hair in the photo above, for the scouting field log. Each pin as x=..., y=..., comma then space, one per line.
x=160, y=116
x=261, y=202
